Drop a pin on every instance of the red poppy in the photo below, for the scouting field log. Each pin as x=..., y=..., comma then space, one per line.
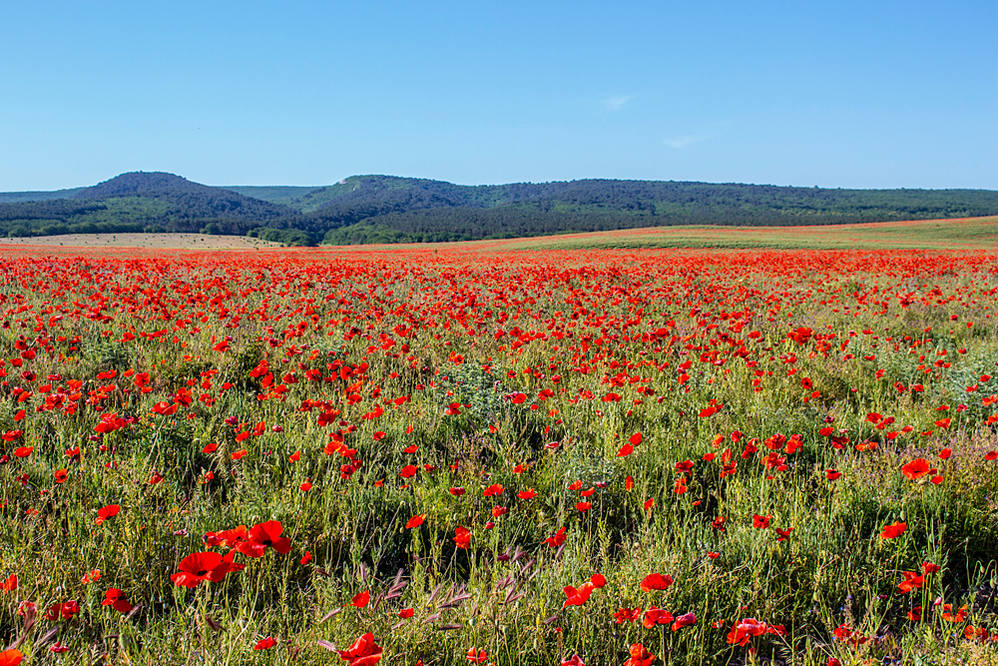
x=684, y=620
x=639, y=656
x=11, y=657
x=916, y=468
x=265, y=643
x=577, y=597
x=656, y=581
x=204, y=566
x=556, y=539
x=104, y=513
x=117, y=599
x=415, y=521
x=363, y=652
x=894, y=530
x=655, y=616
x=263, y=535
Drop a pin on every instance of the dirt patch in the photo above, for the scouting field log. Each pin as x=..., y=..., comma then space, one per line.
x=164, y=241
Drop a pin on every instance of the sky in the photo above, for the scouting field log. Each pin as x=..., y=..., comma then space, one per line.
x=835, y=94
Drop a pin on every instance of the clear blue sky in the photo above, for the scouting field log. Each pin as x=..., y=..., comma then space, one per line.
x=851, y=94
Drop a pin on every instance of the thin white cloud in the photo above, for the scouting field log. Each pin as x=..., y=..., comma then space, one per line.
x=680, y=142
x=617, y=102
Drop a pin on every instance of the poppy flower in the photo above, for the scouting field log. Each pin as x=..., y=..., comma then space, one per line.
x=117, y=599
x=626, y=615
x=556, y=539
x=656, y=616
x=639, y=656
x=204, y=566
x=684, y=620
x=104, y=513
x=462, y=537
x=363, y=652
x=11, y=657
x=912, y=581
x=959, y=616
x=894, y=530
x=265, y=643
x=64, y=611
x=415, y=521
x=656, y=581
x=746, y=629
x=262, y=536
x=916, y=469
x=361, y=599
x=577, y=597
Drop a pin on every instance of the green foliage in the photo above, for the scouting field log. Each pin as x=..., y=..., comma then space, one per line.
x=288, y=237
x=387, y=209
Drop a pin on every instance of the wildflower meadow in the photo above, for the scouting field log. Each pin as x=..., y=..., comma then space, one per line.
x=448, y=456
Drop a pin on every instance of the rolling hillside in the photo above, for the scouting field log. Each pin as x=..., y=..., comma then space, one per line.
x=380, y=209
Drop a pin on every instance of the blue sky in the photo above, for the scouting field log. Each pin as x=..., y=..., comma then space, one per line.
x=850, y=94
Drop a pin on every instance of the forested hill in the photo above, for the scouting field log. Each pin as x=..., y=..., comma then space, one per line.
x=363, y=209
x=137, y=201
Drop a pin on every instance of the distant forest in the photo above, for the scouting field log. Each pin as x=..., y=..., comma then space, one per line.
x=380, y=209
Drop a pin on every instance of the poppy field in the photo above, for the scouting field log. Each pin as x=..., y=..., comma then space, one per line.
x=442, y=456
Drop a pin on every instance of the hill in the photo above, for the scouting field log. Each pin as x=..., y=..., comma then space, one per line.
x=137, y=202
x=380, y=209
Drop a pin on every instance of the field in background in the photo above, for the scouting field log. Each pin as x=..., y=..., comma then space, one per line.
x=978, y=233
x=177, y=241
